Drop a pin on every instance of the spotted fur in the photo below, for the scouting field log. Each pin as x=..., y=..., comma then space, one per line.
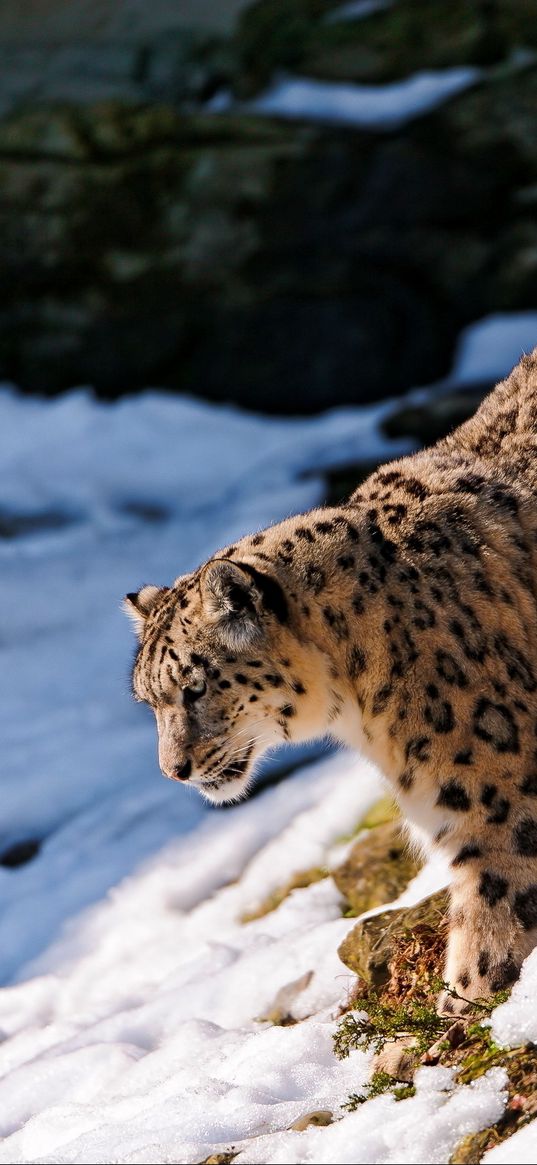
x=403, y=623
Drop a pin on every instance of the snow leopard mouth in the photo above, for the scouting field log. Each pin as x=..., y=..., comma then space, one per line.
x=231, y=773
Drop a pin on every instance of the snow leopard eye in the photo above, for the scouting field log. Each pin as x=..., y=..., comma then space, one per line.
x=194, y=692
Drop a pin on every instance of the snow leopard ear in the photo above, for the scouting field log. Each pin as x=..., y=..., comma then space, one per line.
x=230, y=602
x=236, y=597
x=138, y=605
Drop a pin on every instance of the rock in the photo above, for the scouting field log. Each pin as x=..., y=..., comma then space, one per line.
x=297, y=881
x=273, y=35
x=137, y=246
x=342, y=480
x=398, y=1059
x=50, y=22
x=383, y=811
x=371, y=946
x=377, y=869
x=453, y=1038
x=515, y=269
x=436, y=417
x=287, y=268
x=403, y=38
x=220, y=1158
x=20, y=853
x=280, y=1013
x=497, y=115
x=178, y=62
x=321, y=1117
x=471, y=1148
x=19, y=525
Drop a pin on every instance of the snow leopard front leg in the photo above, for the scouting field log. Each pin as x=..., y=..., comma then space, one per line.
x=493, y=926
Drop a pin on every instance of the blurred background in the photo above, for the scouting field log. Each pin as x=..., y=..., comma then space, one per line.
x=247, y=251
x=159, y=227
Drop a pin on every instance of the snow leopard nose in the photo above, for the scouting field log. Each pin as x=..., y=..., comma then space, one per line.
x=181, y=772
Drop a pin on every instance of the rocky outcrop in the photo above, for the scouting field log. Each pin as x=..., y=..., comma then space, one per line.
x=90, y=50
x=377, y=869
x=376, y=949
x=145, y=241
x=280, y=266
x=393, y=41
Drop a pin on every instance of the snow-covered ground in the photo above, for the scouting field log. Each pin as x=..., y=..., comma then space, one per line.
x=131, y=1015
x=139, y=491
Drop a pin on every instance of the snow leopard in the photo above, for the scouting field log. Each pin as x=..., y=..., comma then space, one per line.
x=402, y=623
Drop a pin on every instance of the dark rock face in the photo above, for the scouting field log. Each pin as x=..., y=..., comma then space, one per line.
x=403, y=38
x=282, y=266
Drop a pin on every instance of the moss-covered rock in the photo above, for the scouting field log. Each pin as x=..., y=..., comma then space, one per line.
x=393, y=1011
x=287, y=267
x=401, y=946
x=377, y=869
x=281, y=1012
x=384, y=811
x=274, y=34
x=435, y=417
x=317, y=1119
x=220, y=1158
x=298, y=881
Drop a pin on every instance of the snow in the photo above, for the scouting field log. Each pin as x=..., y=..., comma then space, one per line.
x=146, y=488
x=381, y=107
x=489, y=349
x=426, y=1127
x=131, y=1023
x=139, y=1035
x=520, y=1149
x=161, y=985
x=356, y=10
x=486, y=351
x=515, y=1022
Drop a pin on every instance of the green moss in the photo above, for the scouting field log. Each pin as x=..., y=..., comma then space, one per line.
x=380, y=1083
x=401, y=1011
x=383, y=810
x=471, y=1057
x=404, y=1091
x=484, y=1054
x=385, y=1021
x=377, y=869
x=298, y=881
x=471, y=1148
x=381, y=813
